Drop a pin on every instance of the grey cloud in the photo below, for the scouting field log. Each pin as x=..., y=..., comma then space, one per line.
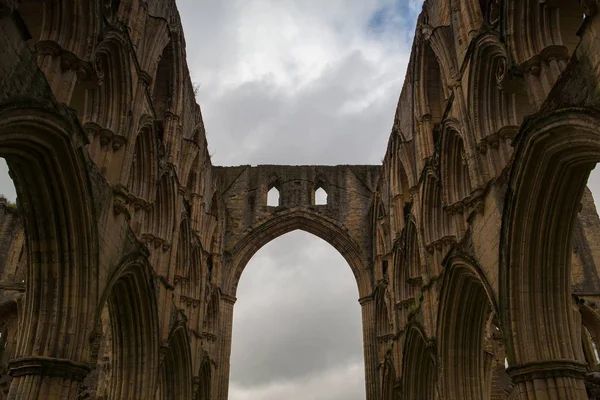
x=306, y=307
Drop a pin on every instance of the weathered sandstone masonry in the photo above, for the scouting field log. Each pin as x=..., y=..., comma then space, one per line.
x=475, y=245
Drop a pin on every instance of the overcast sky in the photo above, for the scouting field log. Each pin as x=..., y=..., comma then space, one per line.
x=297, y=82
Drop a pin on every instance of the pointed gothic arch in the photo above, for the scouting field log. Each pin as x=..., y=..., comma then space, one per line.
x=419, y=375
x=454, y=162
x=466, y=302
x=176, y=369
x=51, y=179
x=143, y=173
x=132, y=314
x=537, y=229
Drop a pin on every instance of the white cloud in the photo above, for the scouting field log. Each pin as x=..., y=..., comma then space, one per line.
x=300, y=82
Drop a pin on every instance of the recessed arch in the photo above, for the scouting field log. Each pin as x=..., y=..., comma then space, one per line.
x=388, y=384
x=454, y=168
x=51, y=179
x=419, y=375
x=466, y=302
x=537, y=230
x=537, y=26
x=287, y=221
x=204, y=382
x=497, y=98
x=55, y=23
x=143, y=173
x=176, y=369
x=431, y=97
x=130, y=302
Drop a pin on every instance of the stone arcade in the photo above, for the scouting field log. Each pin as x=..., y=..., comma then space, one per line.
x=476, y=244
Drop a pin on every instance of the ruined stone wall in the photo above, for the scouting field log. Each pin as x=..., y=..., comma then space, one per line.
x=107, y=147
x=483, y=79
x=474, y=245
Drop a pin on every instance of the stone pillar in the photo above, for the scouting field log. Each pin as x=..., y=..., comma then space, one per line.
x=369, y=345
x=45, y=378
x=549, y=380
x=224, y=355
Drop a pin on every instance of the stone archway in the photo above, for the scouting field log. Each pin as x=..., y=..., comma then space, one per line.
x=344, y=222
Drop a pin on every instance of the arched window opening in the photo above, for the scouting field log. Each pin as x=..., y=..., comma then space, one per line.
x=273, y=197
x=320, y=197
x=13, y=260
x=163, y=84
x=296, y=315
x=7, y=187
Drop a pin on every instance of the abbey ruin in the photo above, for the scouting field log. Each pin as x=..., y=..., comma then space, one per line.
x=475, y=245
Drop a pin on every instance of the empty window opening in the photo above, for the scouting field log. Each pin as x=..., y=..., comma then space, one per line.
x=8, y=193
x=320, y=197
x=273, y=199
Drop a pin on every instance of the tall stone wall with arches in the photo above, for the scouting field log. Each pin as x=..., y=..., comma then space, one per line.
x=475, y=245
x=488, y=223
x=111, y=255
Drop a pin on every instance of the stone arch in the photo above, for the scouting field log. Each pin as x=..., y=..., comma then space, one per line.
x=412, y=253
x=143, y=173
x=163, y=86
x=443, y=44
x=152, y=43
x=211, y=316
x=541, y=37
x=56, y=23
x=193, y=176
x=176, y=368
x=400, y=192
x=437, y=229
x=164, y=208
x=535, y=27
x=388, y=385
x=418, y=366
x=203, y=392
x=467, y=20
x=537, y=228
x=286, y=221
x=106, y=113
x=466, y=302
x=400, y=281
x=62, y=36
x=383, y=321
x=381, y=220
x=497, y=98
x=132, y=314
x=183, y=259
x=187, y=275
x=52, y=184
x=431, y=98
x=454, y=168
